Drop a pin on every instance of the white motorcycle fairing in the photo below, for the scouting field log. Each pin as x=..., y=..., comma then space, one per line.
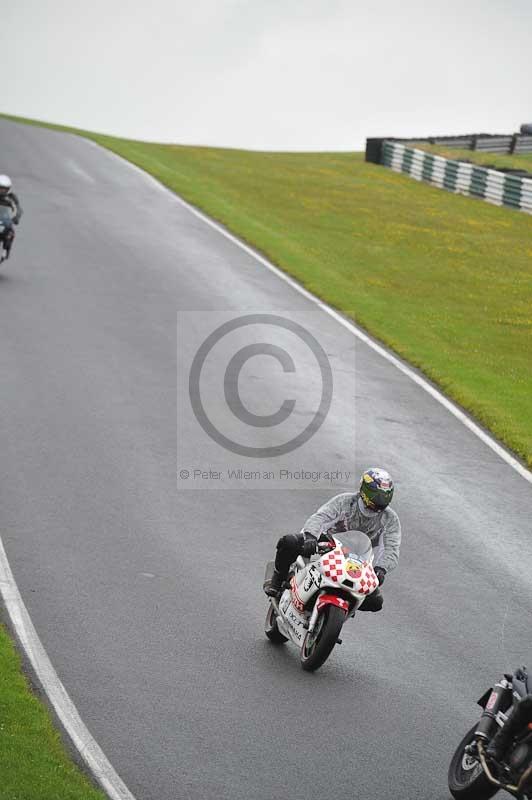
x=343, y=577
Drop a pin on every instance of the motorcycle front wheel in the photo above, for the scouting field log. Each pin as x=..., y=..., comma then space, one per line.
x=467, y=779
x=270, y=627
x=318, y=645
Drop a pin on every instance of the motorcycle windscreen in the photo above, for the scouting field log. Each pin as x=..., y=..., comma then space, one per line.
x=6, y=216
x=356, y=544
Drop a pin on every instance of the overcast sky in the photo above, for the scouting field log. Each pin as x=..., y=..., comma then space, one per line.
x=269, y=74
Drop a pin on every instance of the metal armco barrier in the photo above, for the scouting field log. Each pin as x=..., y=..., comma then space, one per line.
x=486, y=142
x=461, y=177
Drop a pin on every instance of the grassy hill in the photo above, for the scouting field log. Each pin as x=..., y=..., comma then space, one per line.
x=444, y=280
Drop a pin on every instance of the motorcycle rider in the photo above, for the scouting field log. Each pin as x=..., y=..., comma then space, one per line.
x=367, y=510
x=518, y=718
x=9, y=198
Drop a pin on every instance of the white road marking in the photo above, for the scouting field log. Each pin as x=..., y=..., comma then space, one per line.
x=77, y=170
x=58, y=697
x=457, y=412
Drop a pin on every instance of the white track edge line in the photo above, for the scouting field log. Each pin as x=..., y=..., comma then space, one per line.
x=66, y=711
x=455, y=410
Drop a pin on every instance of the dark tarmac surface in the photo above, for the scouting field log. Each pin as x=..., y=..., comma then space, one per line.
x=146, y=592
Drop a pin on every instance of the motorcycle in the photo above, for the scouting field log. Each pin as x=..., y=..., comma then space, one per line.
x=6, y=230
x=473, y=775
x=322, y=593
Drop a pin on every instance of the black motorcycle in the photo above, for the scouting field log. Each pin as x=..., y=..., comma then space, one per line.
x=474, y=774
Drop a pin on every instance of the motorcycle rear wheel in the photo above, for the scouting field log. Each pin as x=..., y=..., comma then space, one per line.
x=317, y=646
x=270, y=627
x=467, y=780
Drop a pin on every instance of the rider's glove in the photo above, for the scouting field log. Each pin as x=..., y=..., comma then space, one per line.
x=309, y=546
x=380, y=572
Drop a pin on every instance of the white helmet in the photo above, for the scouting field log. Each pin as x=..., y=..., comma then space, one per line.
x=5, y=184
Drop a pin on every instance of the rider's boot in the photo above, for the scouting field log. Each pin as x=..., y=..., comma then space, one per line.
x=8, y=242
x=498, y=746
x=373, y=602
x=274, y=586
x=519, y=716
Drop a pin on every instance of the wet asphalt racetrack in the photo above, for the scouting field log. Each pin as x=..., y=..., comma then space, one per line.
x=146, y=592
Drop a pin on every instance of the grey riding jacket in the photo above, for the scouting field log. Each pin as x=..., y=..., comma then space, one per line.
x=342, y=513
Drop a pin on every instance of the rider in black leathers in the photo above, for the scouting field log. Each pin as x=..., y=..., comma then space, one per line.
x=9, y=198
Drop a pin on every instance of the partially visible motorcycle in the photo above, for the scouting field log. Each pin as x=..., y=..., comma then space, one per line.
x=473, y=774
x=6, y=230
x=322, y=594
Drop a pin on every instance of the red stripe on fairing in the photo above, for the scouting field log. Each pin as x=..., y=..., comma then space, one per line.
x=332, y=600
x=298, y=602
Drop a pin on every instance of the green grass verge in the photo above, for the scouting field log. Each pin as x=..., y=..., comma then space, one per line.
x=523, y=161
x=33, y=762
x=444, y=280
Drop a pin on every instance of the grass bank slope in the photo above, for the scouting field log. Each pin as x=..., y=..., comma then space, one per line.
x=442, y=279
x=33, y=761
